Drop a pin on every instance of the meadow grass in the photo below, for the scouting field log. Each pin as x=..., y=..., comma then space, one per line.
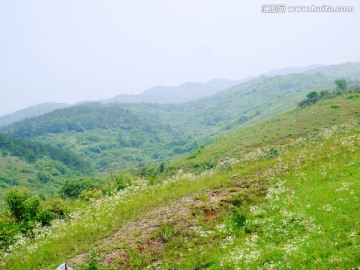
x=101, y=218
x=307, y=217
x=295, y=123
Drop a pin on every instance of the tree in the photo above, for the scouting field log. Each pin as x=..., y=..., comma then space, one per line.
x=312, y=95
x=324, y=94
x=341, y=84
x=311, y=98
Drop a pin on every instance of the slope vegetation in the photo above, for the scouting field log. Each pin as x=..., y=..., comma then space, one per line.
x=286, y=202
x=106, y=135
x=41, y=167
x=117, y=136
x=287, y=126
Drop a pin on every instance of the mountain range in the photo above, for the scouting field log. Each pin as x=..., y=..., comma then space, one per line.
x=159, y=94
x=122, y=135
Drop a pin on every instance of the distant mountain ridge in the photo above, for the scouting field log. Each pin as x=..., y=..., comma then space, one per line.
x=177, y=94
x=158, y=94
x=292, y=70
x=187, y=91
x=349, y=71
x=31, y=111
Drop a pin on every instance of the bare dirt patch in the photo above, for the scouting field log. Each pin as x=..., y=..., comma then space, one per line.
x=140, y=236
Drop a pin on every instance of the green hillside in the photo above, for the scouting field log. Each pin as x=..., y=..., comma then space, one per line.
x=40, y=167
x=284, y=127
x=106, y=135
x=286, y=200
x=239, y=105
x=118, y=136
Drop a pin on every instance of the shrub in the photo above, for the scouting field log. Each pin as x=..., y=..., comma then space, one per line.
x=22, y=207
x=325, y=94
x=122, y=181
x=54, y=208
x=8, y=229
x=24, y=212
x=238, y=218
x=72, y=189
x=44, y=177
x=313, y=95
x=305, y=102
x=273, y=152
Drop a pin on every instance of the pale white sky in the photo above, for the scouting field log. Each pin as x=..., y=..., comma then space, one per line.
x=68, y=51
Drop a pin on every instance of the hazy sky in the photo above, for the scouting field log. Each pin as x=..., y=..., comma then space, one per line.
x=68, y=51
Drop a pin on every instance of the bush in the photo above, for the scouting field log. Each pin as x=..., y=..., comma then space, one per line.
x=325, y=94
x=238, y=218
x=44, y=177
x=23, y=207
x=8, y=229
x=314, y=97
x=24, y=212
x=72, y=189
x=273, y=152
x=122, y=181
x=53, y=209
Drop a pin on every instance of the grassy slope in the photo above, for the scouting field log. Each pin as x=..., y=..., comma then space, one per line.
x=292, y=124
x=308, y=218
x=14, y=171
x=305, y=216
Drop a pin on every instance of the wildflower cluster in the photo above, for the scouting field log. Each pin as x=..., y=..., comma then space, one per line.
x=228, y=163
x=92, y=217
x=273, y=229
x=282, y=233
x=87, y=218
x=275, y=222
x=202, y=233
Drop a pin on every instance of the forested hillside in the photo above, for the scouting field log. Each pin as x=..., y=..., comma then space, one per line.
x=106, y=135
x=118, y=136
x=41, y=167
